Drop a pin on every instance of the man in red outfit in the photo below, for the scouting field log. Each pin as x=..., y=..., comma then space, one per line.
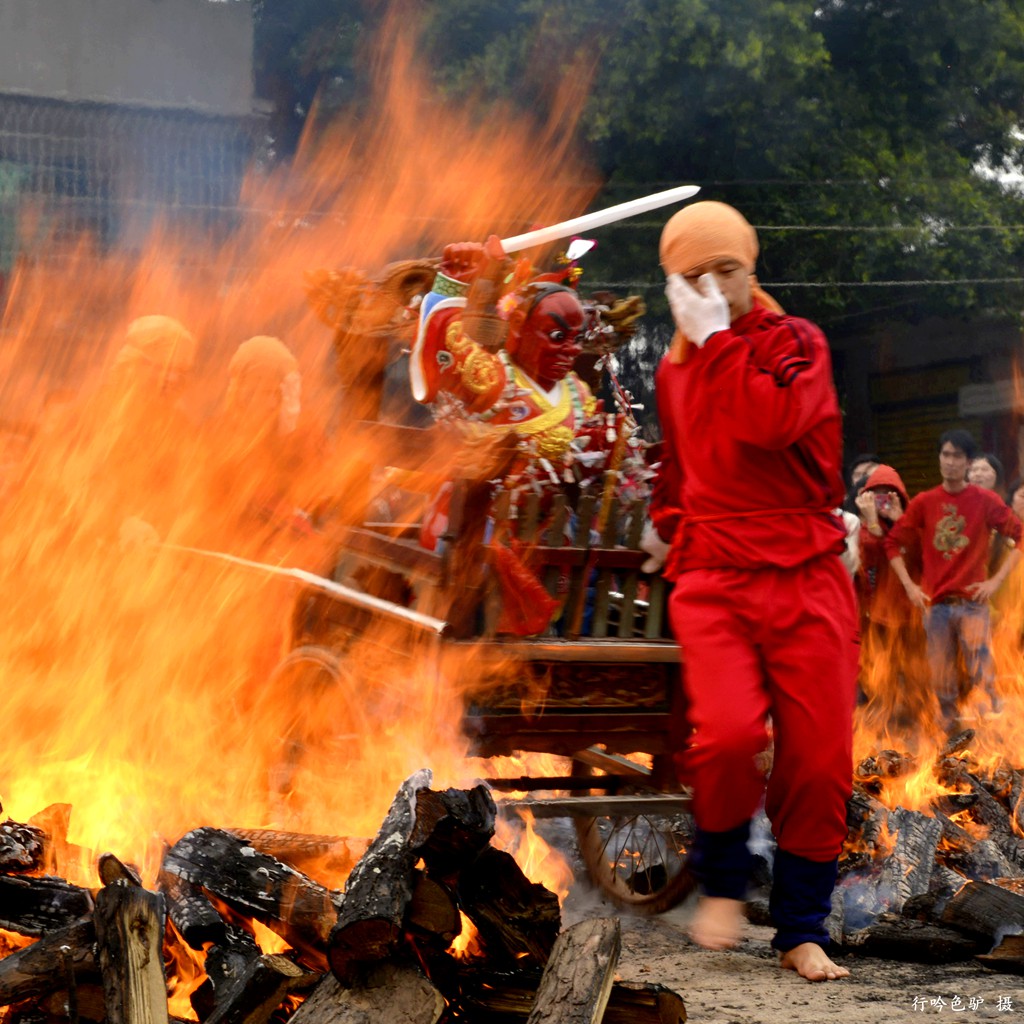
x=953, y=524
x=763, y=609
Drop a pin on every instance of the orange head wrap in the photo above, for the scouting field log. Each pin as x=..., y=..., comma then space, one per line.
x=263, y=356
x=703, y=233
x=159, y=341
x=267, y=361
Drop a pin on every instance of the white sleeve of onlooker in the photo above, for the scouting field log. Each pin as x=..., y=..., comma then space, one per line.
x=851, y=556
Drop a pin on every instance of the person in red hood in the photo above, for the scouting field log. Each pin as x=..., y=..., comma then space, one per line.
x=881, y=501
x=894, y=672
x=763, y=608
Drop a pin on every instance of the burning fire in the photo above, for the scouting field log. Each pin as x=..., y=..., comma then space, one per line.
x=139, y=676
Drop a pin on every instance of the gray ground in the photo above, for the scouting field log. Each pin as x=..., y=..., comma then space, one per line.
x=746, y=986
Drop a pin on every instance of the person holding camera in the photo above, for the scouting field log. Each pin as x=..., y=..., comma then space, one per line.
x=894, y=672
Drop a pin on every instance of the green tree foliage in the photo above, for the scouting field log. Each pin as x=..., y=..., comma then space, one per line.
x=854, y=133
x=850, y=131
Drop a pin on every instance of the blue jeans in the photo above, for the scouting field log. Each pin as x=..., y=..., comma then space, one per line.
x=955, y=632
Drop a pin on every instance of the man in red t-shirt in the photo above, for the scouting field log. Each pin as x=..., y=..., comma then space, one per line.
x=763, y=609
x=953, y=524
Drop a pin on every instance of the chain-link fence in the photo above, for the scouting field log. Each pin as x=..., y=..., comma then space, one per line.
x=113, y=171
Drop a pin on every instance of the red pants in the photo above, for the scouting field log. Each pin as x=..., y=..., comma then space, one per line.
x=779, y=642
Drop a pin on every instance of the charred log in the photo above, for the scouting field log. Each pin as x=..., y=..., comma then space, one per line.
x=1007, y=957
x=192, y=913
x=129, y=931
x=226, y=962
x=984, y=910
x=254, y=996
x=908, y=869
x=987, y=810
x=334, y=855
x=59, y=960
x=80, y=1002
x=577, y=979
x=895, y=937
x=22, y=848
x=111, y=870
x=432, y=913
x=501, y=997
x=292, y=905
x=452, y=827
x=31, y=906
x=370, y=922
x=389, y=992
x=516, y=918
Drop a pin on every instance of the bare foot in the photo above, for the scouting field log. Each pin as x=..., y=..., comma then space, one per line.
x=810, y=961
x=717, y=923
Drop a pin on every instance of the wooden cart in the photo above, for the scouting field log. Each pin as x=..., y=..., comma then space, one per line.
x=600, y=686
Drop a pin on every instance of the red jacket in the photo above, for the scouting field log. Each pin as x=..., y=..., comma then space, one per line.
x=753, y=448
x=882, y=597
x=954, y=532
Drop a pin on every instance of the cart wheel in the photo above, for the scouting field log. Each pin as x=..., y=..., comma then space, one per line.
x=320, y=719
x=639, y=860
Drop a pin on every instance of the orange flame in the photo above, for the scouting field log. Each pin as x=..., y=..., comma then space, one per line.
x=141, y=678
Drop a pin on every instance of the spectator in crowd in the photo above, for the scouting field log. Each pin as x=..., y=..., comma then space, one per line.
x=986, y=471
x=860, y=467
x=894, y=672
x=263, y=461
x=952, y=523
x=1015, y=497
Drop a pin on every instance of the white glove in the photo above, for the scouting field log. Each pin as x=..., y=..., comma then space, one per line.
x=698, y=314
x=651, y=542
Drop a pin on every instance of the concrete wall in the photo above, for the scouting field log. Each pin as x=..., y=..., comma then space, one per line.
x=178, y=54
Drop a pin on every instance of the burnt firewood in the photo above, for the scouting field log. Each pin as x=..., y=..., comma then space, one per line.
x=432, y=913
x=83, y=1001
x=516, y=918
x=1000, y=781
x=866, y=818
x=312, y=855
x=953, y=803
x=577, y=979
x=22, y=848
x=388, y=992
x=895, y=937
x=981, y=862
x=908, y=868
x=195, y=917
x=254, y=996
x=1015, y=802
x=886, y=764
x=1007, y=957
x=61, y=958
x=226, y=962
x=452, y=827
x=255, y=885
x=955, y=744
x=372, y=915
x=835, y=923
x=946, y=882
x=111, y=870
x=984, y=910
x=504, y=997
x=990, y=812
x=130, y=924
x=954, y=836
x=31, y=906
